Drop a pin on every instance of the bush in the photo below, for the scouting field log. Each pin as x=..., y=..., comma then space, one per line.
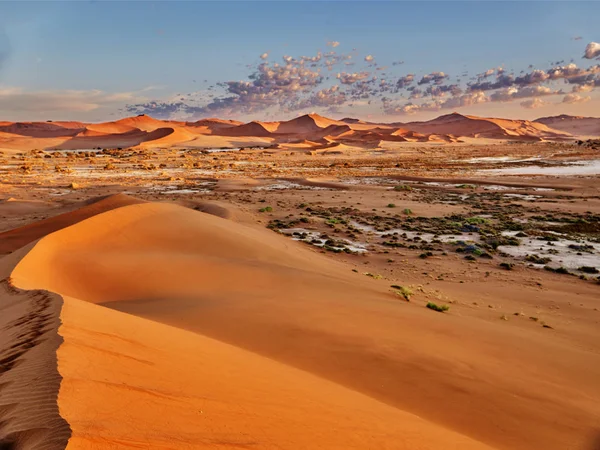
x=403, y=292
x=391, y=205
x=407, y=211
x=437, y=308
x=265, y=209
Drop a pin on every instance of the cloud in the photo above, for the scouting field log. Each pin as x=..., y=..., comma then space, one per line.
x=405, y=81
x=514, y=93
x=397, y=63
x=435, y=77
x=469, y=99
x=303, y=83
x=583, y=87
x=502, y=81
x=18, y=100
x=592, y=50
x=442, y=90
x=576, y=38
x=534, y=77
x=325, y=98
x=351, y=78
x=574, y=98
x=533, y=103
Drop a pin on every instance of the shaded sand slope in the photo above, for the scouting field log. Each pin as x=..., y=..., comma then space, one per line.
x=510, y=388
x=14, y=239
x=29, y=379
x=132, y=383
x=127, y=382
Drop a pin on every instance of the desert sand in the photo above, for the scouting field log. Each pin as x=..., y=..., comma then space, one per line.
x=310, y=131
x=169, y=295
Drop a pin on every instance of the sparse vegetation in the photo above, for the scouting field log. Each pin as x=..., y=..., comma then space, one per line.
x=403, y=292
x=442, y=308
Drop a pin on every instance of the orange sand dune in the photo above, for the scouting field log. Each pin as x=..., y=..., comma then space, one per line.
x=247, y=129
x=576, y=125
x=306, y=124
x=130, y=382
x=143, y=130
x=38, y=129
x=142, y=122
x=14, y=239
x=266, y=294
x=478, y=127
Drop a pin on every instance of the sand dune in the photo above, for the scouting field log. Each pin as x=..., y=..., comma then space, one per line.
x=576, y=125
x=148, y=384
x=15, y=239
x=490, y=128
x=267, y=295
x=148, y=132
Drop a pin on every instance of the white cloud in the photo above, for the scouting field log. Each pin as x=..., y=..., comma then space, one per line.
x=533, y=103
x=575, y=98
x=369, y=58
x=592, y=50
x=333, y=44
x=265, y=55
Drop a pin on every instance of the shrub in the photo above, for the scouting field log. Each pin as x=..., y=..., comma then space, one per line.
x=403, y=292
x=507, y=266
x=391, y=205
x=403, y=187
x=407, y=211
x=442, y=308
x=265, y=209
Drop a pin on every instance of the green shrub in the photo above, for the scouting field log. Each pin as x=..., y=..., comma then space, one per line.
x=442, y=308
x=403, y=292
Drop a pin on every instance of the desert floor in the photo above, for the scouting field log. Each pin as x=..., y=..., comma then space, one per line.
x=277, y=299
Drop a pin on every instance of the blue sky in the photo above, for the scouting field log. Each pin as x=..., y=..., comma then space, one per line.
x=88, y=60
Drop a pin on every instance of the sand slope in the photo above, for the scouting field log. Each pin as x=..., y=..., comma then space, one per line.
x=29, y=378
x=14, y=239
x=130, y=382
x=489, y=128
x=576, y=125
x=270, y=296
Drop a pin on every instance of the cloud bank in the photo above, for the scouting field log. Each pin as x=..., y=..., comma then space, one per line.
x=319, y=82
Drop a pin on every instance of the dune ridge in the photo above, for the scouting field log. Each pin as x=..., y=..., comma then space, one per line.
x=29, y=376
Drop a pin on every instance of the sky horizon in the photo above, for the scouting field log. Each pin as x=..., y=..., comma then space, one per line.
x=379, y=61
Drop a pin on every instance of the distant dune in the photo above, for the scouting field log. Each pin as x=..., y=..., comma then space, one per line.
x=575, y=125
x=146, y=131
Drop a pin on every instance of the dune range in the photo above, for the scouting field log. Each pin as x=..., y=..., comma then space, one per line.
x=151, y=325
x=308, y=132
